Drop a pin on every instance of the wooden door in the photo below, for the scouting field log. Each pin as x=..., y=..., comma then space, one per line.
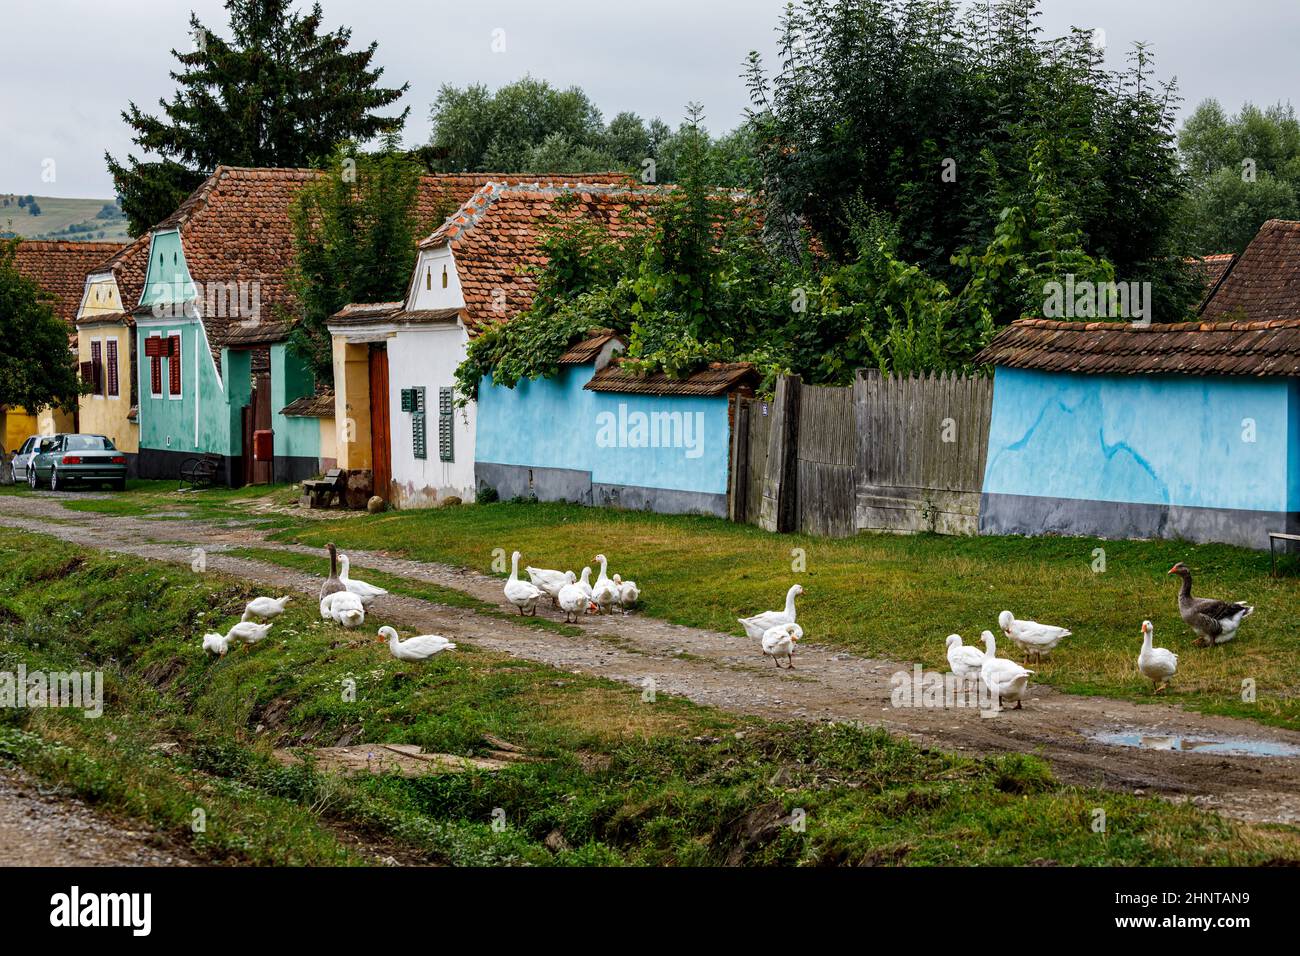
x=261, y=422
x=380, y=448
x=246, y=435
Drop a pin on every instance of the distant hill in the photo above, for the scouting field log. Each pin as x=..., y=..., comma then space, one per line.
x=73, y=220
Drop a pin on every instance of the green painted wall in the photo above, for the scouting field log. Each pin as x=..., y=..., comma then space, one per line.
x=207, y=406
x=167, y=278
x=291, y=379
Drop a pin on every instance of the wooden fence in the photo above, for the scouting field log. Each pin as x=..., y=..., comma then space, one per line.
x=888, y=453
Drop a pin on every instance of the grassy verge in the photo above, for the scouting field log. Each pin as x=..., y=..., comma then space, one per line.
x=619, y=780
x=885, y=595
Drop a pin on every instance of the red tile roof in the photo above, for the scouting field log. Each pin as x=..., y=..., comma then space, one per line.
x=1264, y=282
x=1212, y=269
x=720, y=378
x=1118, y=348
x=60, y=268
x=495, y=236
x=236, y=228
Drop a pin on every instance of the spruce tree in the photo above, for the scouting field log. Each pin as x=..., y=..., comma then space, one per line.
x=279, y=91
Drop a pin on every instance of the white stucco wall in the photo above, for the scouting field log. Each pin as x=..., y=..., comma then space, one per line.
x=428, y=357
x=427, y=290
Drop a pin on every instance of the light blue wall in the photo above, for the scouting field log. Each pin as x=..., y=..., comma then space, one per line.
x=1168, y=439
x=290, y=380
x=556, y=423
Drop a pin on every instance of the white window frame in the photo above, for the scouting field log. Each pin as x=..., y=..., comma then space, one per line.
x=162, y=383
x=167, y=379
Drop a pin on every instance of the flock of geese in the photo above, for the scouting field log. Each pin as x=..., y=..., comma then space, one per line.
x=344, y=599
x=572, y=593
x=1213, y=621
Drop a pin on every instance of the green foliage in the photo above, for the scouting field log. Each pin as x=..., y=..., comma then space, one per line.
x=36, y=368
x=530, y=126
x=1245, y=170
x=278, y=92
x=354, y=241
x=935, y=118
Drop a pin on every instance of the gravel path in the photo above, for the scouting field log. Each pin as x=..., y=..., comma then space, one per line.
x=40, y=828
x=726, y=671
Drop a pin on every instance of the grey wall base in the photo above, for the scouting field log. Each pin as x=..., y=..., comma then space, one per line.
x=564, y=484
x=159, y=463
x=1031, y=515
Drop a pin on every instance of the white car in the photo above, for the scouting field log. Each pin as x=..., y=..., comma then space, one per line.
x=22, y=458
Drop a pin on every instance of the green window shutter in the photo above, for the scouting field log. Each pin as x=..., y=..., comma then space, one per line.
x=446, y=448
x=419, y=443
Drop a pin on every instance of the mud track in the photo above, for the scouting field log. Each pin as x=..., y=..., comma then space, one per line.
x=728, y=672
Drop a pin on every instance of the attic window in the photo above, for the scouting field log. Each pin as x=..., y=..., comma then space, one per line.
x=428, y=278
x=444, y=277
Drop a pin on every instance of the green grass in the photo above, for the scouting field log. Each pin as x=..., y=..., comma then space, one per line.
x=900, y=596
x=885, y=595
x=622, y=781
x=57, y=213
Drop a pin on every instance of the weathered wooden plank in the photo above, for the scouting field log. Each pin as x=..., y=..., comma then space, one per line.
x=778, y=511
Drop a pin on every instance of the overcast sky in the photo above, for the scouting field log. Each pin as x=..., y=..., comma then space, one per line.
x=72, y=65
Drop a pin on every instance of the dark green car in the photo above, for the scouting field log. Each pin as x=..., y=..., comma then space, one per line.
x=63, y=460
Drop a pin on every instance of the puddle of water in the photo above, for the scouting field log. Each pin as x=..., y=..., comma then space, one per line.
x=1226, y=746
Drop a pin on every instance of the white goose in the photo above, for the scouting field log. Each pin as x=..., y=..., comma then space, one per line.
x=1030, y=636
x=781, y=639
x=964, y=660
x=584, y=582
x=367, y=592
x=419, y=648
x=522, y=594
x=549, y=581
x=343, y=607
x=216, y=644
x=248, y=632
x=1005, y=679
x=628, y=593
x=1156, y=663
x=575, y=598
x=758, y=625
x=604, y=592
x=265, y=608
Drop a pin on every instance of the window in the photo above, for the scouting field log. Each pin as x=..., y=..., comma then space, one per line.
x=413, y=401
x=112, y=390
x=153, y=349
x=428, y=278
x=446, y=446
x=174, y=364
x=97, y=367
x=87, y=443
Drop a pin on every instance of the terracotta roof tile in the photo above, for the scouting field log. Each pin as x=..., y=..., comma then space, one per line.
x=320, y=405
x=60, y=268
x=1116, y=348
x=496, y=234
x=235, y=227
x=720, y=378
x=588, y=349
x=1264, y=282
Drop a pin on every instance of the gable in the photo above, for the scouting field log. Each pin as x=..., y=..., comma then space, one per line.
x=167, y=281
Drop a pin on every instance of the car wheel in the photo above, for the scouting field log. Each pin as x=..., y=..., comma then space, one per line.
x=54, y=480
x=32, y=482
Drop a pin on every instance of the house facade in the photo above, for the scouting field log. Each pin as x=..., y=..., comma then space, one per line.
x=60, y=268
x=396, y=408
x=211, y=331
x=106, y=350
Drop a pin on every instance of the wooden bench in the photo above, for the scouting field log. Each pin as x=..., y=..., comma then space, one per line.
x=1273, y=538
x=321, y=491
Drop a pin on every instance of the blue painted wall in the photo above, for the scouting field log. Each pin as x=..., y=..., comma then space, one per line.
x=1169, y=439
x=556, y=423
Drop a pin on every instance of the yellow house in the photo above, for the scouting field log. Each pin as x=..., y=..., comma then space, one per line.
x=60, y=268
x=106, y=349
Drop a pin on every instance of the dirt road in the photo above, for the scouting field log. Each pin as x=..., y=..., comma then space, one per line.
x=726, y=671
x=40, y=828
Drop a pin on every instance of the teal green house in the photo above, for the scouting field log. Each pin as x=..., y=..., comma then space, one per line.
x=216, y=375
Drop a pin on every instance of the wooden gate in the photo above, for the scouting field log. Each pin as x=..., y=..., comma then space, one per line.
x=381, y=460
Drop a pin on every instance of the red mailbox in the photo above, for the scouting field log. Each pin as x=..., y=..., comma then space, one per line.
x=263, y=445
